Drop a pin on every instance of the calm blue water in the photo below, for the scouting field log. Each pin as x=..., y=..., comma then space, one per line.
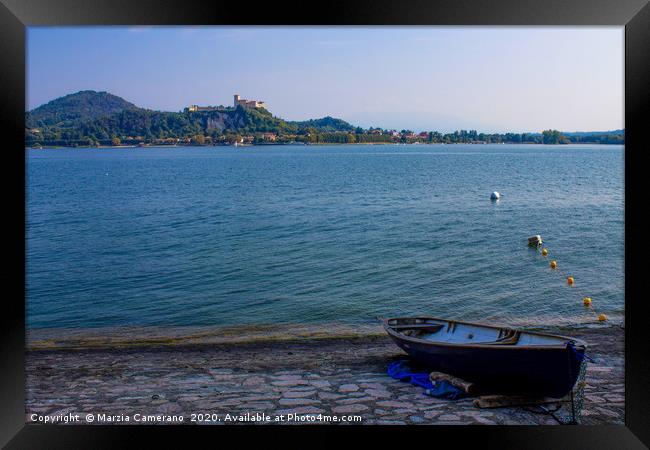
x=285, y=234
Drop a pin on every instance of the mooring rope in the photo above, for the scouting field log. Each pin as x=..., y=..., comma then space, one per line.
x=587, y=301
x=577, y=397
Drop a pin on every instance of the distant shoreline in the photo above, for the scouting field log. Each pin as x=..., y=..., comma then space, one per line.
x=101, y=119
x=318, y=144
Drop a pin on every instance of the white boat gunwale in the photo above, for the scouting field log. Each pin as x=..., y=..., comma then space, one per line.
x=560, y=346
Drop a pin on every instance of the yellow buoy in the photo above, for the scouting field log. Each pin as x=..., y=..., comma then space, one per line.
x=544, y=252
x=586, y=301
x=570, y=281
x=602, y=318
x=553, y=264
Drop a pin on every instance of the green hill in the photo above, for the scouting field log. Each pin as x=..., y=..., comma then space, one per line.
x=161, y=125
x=90, y=117
x=326, y=124
x=80, y=106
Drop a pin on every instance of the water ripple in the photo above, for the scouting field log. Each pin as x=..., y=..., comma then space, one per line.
x=221, y=236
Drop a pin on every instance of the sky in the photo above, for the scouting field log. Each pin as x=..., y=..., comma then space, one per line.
x=490, y=79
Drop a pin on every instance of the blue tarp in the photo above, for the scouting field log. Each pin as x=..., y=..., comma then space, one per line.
x=401, y=370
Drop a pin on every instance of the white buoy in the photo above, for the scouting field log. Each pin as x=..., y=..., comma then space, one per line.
x=495, y=195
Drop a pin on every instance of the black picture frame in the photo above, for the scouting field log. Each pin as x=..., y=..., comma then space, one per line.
x=15, y=15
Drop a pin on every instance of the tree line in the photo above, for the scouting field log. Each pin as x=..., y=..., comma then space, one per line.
x=90, y=118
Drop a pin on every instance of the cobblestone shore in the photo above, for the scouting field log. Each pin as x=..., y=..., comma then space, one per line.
x=335, y=377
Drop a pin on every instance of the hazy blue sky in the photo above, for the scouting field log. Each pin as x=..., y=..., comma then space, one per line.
x=423, y=78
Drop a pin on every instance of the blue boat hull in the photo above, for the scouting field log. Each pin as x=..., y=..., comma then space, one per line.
x=545, y=371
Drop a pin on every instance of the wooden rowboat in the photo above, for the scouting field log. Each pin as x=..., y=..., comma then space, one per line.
x=496, y=359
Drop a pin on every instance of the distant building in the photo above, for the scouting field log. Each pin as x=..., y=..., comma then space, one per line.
x=247, y=103
x=194, y=108
x=238, y=101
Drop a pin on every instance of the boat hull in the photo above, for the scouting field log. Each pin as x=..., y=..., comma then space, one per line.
x=534, y=370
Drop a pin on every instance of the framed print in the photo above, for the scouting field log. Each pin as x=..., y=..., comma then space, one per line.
x=362, y=218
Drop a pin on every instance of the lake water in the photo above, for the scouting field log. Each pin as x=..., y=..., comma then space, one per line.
x=322, y=234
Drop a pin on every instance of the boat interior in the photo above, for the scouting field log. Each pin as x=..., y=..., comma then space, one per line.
x=447, y=331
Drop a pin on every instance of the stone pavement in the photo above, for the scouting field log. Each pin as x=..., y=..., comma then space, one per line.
x=331, y=377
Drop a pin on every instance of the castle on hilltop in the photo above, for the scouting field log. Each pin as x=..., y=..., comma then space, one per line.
x=248, y=103
x=238, y=101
